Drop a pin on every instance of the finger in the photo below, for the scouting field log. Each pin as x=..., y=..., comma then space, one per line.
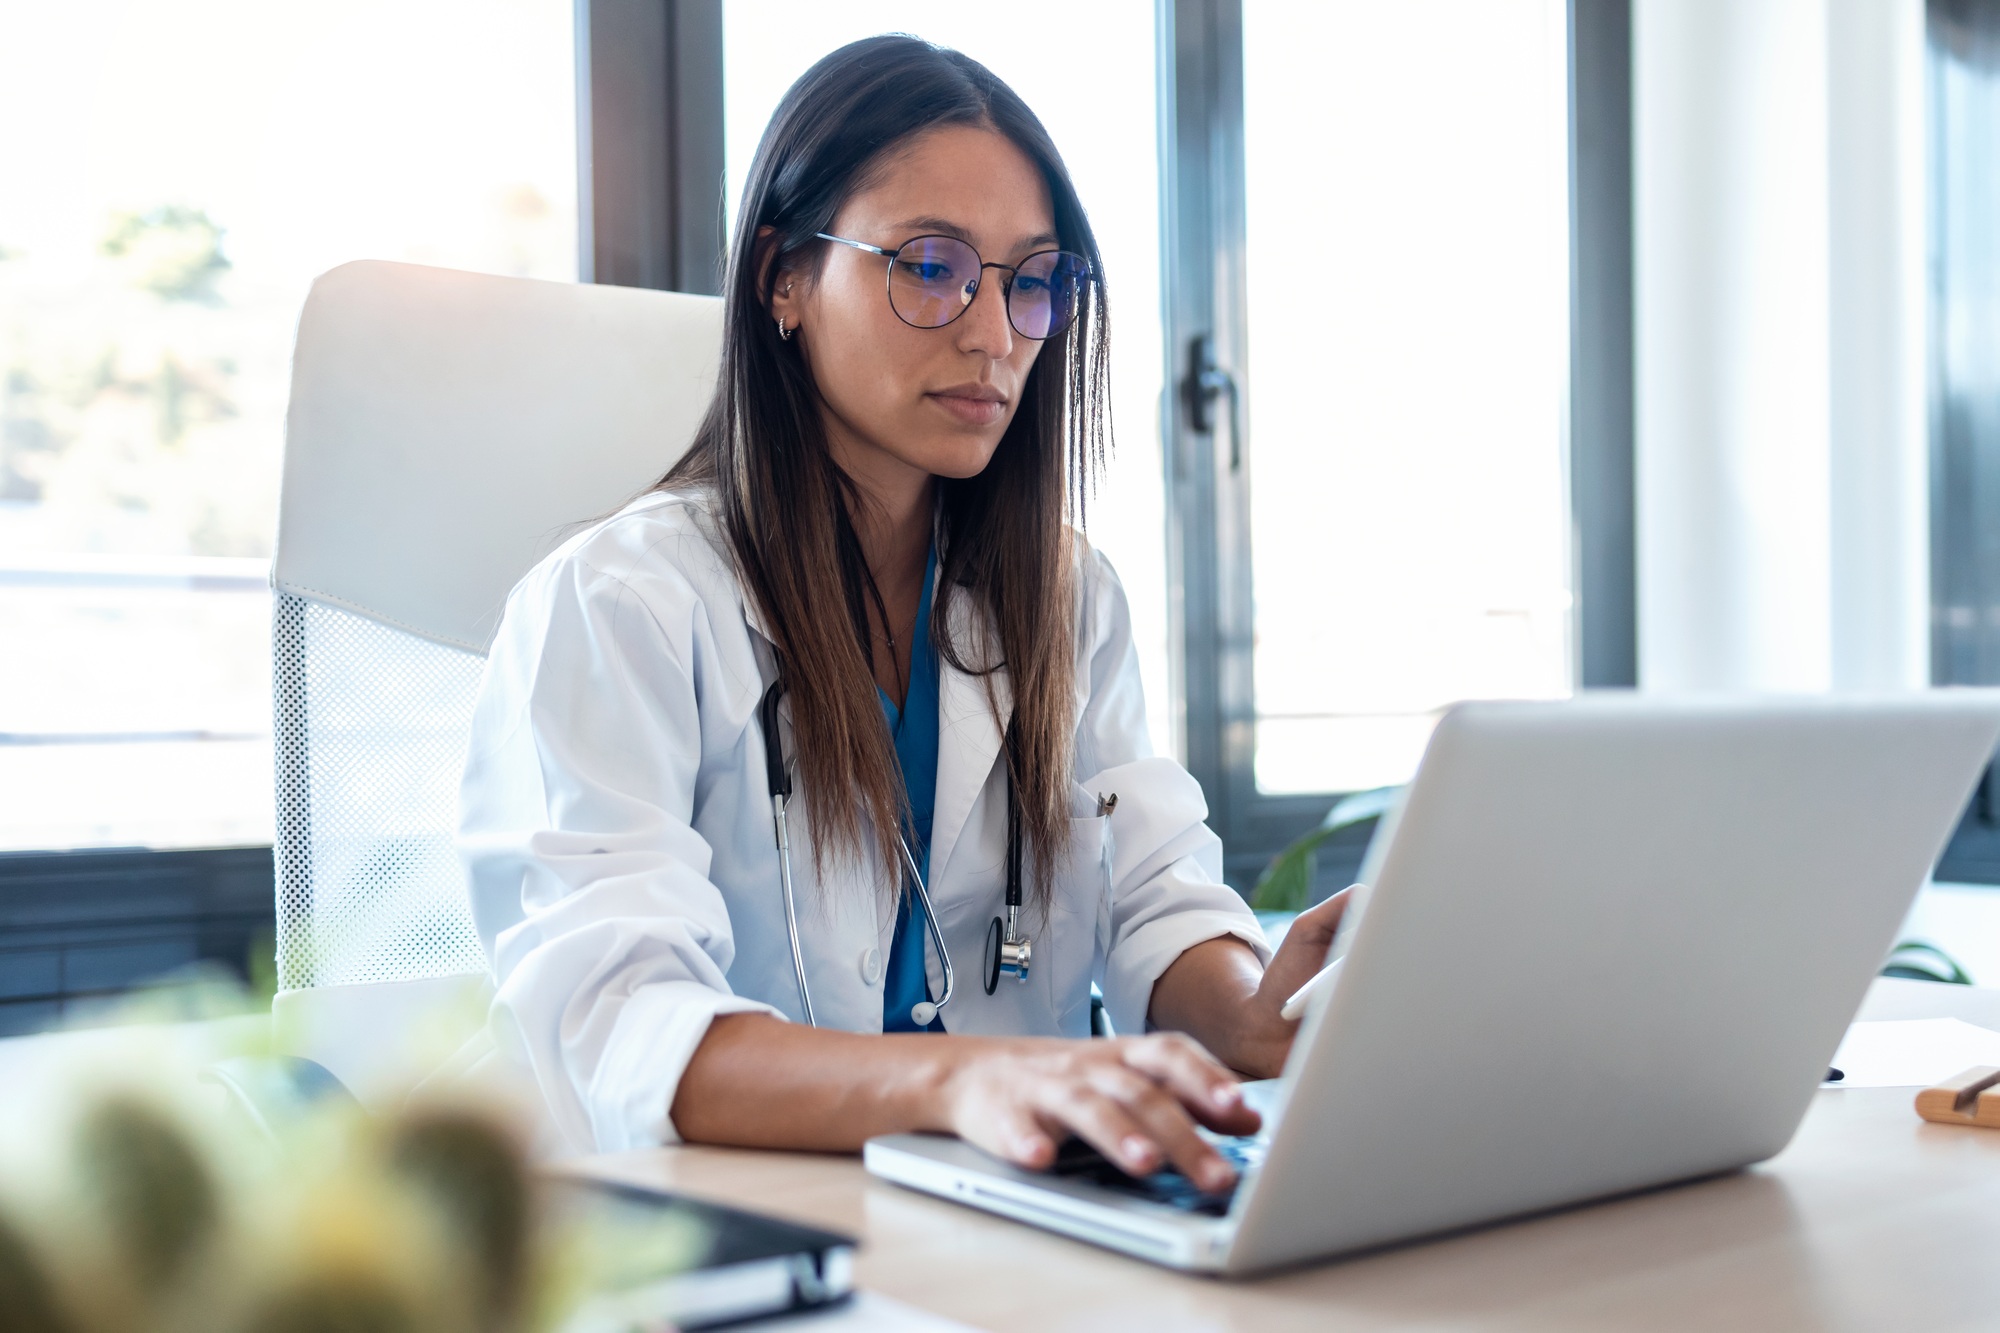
x=1303, y=951
x=1013, y=1132
x=1322, y=920
x=1105, y=1125
x=1336, y=905
x=1166, y=1122
x=1180, y=1064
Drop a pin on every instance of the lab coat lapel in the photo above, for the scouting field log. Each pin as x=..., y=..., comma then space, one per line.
x=969, y=737
x=753, y=616
x=765, y=647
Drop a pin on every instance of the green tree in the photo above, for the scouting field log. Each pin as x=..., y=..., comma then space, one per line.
x=175, y=251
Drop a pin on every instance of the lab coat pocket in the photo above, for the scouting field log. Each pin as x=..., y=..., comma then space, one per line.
x=1079, y=926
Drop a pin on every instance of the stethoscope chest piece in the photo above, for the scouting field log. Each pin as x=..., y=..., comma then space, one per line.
x=1006, y=951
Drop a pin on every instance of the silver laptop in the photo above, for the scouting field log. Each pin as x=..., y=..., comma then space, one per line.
x=1611, y=943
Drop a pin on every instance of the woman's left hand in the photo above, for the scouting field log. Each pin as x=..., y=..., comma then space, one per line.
x=1216, y=992
x=1301, y=954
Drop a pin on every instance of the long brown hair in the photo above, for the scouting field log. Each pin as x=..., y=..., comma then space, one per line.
x=786, y=508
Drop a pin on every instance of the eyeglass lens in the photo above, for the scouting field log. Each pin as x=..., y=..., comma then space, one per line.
x=934, y=278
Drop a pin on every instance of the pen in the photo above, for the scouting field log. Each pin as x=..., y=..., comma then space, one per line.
x=1297, y=1004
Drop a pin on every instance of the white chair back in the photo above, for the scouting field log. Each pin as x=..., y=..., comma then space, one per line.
x=446, y=430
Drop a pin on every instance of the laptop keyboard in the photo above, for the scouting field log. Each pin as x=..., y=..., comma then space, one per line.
x=1077, y=1160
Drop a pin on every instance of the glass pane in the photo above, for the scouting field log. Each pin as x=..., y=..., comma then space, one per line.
x=1407, y=267
x=1102, y=118
x=175, y=174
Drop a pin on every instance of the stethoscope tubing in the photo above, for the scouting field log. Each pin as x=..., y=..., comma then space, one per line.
x=780, y=782
x=791, y=908
x=923, y=895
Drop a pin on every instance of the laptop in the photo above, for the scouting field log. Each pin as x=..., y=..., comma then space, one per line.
x=1611, y=943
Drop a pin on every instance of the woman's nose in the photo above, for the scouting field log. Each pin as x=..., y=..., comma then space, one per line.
x=984, y=326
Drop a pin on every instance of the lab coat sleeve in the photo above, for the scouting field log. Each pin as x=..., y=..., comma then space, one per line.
x=609, y=944
x=1167, y=893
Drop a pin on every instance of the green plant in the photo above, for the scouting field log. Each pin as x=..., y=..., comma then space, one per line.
x=1919, y=960
x=1286, y=884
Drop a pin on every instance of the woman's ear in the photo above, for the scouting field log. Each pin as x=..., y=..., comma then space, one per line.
x=787, y=291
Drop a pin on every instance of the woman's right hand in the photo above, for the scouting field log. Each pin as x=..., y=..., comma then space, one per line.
x=1135, y=1099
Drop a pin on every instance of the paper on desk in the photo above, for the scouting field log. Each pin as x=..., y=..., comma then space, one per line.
x=1912, y=1052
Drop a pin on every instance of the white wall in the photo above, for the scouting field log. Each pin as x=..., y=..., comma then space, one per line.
x=1779, y=356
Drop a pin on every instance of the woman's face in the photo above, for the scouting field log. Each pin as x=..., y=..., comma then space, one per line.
x=905, y=403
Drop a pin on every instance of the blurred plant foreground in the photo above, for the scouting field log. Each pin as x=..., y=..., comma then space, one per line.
x=135, y=1197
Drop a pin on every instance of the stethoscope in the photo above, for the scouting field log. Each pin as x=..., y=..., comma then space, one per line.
x=1007, y=950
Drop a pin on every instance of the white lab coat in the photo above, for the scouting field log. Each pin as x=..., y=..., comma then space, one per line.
x=616, y=827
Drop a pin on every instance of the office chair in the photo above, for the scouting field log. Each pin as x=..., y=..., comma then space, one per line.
x=446, y=430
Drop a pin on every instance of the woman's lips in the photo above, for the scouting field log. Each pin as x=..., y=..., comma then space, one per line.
x=972, y=411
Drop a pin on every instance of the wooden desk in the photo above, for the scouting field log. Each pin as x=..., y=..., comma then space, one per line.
x=1871, y=1219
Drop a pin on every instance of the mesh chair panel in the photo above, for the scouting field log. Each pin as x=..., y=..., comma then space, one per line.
x=372, y=726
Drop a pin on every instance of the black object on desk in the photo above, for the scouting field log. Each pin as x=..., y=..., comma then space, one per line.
x=695, y=1264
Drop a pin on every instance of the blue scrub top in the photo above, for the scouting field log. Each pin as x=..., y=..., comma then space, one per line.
x=915, y=729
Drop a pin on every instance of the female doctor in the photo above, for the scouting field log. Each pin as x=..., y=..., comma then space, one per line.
x=872, y=513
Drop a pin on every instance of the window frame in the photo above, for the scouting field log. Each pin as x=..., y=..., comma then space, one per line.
x=1965, y=573
x=649, y=144
x=81, y=925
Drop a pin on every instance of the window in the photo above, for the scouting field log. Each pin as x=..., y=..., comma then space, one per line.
x=1103, y=118
x=1405, y=175
x=1368, y=331
x=176, y=175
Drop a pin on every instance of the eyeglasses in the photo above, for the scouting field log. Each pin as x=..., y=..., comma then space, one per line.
x=933, y=279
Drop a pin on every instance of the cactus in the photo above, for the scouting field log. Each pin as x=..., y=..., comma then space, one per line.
x=153, y=1188
x=156, y=1214
x=471, y=1172
x=328, y=1304
x=27, y=1298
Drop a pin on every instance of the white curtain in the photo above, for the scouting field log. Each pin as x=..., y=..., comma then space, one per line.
x=1779, y=258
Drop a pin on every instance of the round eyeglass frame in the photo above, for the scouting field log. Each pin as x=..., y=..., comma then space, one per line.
x=1084, y=277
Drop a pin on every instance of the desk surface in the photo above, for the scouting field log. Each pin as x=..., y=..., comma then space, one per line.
x=1870, y=1219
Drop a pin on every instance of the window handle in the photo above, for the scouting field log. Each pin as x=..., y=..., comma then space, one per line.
x=1205, y=382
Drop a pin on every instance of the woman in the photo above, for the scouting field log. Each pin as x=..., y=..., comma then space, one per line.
x=872, y=513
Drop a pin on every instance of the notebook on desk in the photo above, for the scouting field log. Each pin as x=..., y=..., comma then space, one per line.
x=667, y=1260
x=1611, y=943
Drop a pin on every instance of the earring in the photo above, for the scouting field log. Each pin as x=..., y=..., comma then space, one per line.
x=784, y=334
